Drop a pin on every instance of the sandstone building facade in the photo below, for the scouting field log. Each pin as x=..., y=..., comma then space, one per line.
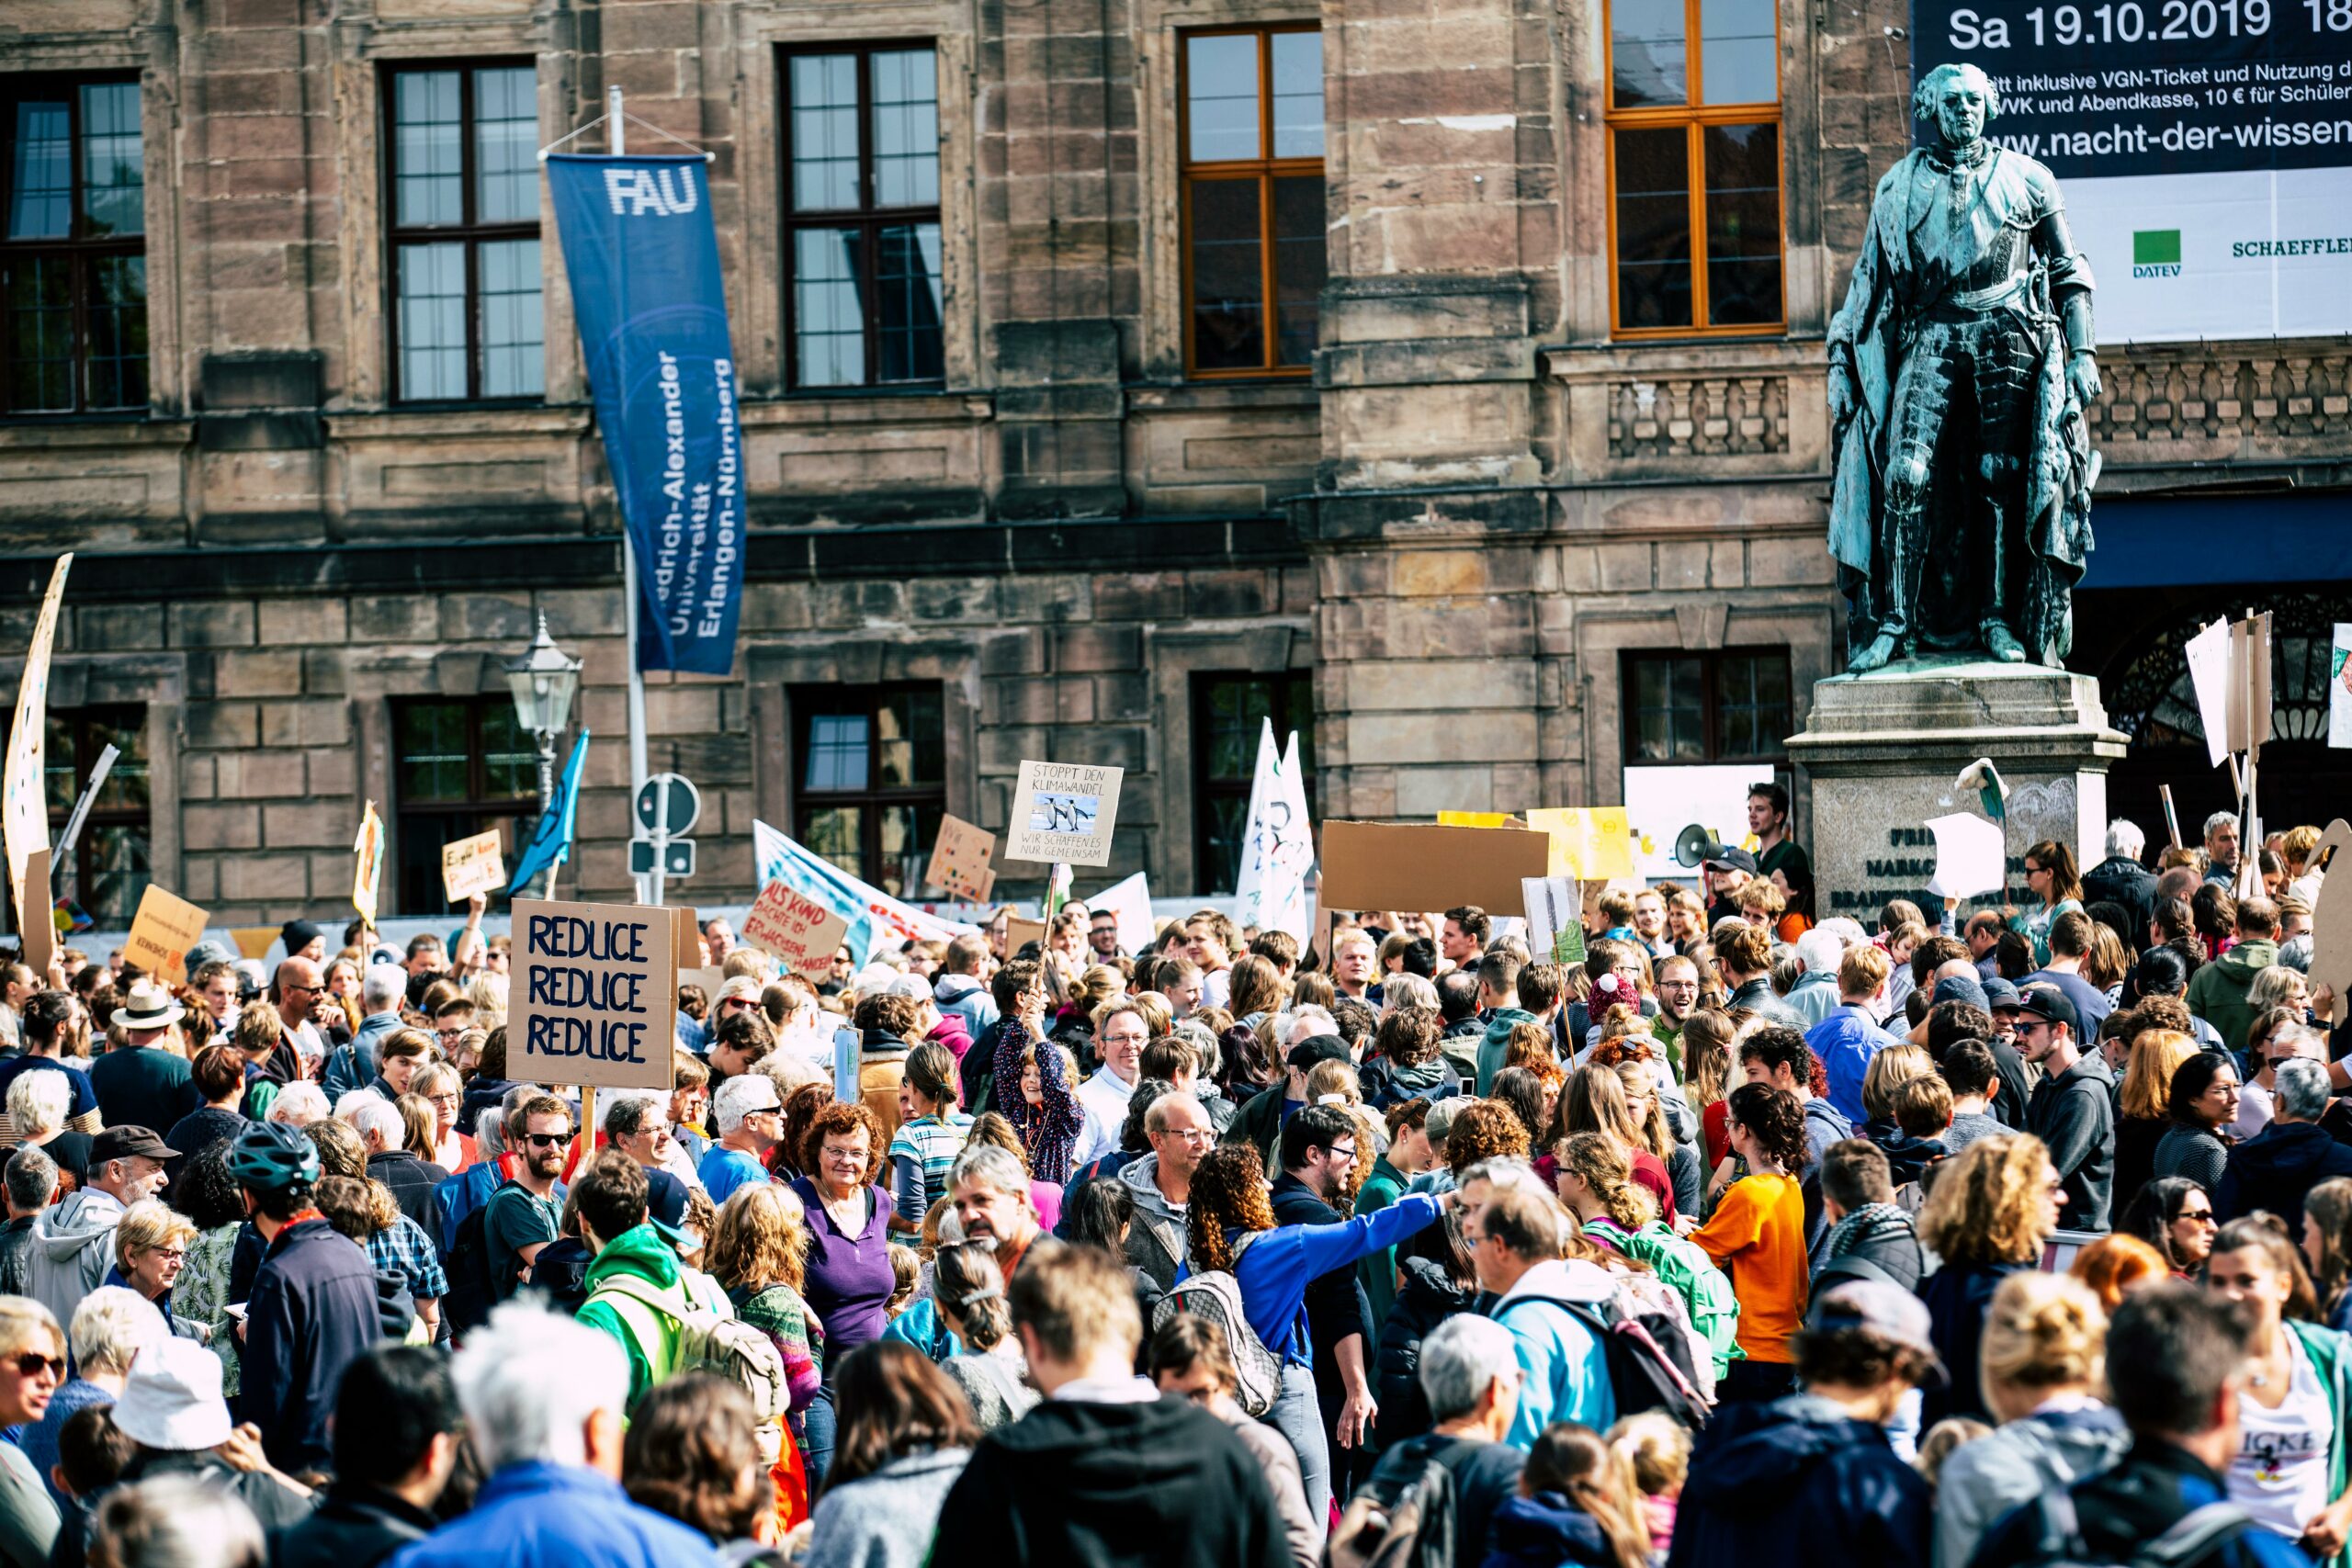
x=1443, y=377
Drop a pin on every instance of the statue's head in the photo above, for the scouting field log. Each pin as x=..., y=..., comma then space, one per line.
x=1958, y=99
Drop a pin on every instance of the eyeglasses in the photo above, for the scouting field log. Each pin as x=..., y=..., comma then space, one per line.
x=547, y=1140
x=31, y=1366
x=1340, y=1152
x=176, y=1253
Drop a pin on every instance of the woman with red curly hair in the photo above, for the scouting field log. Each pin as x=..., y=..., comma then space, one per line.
x=848, y=1274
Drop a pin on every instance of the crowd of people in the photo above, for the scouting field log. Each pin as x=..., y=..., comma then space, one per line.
x=1746, y=1239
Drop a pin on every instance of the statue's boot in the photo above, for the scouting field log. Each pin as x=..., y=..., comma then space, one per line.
x=2002, y=645
x=1879, y=654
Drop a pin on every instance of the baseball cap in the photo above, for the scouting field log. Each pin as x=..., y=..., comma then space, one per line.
x=2000, y=993
x=1318, y=1048
x=123, y=1143
x=1883, y=1309
x=1441, y=1115
x=1960, y=988
x=2049, y=1002
x=1731, y=857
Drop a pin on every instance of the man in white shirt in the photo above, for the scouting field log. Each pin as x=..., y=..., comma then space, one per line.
x=1121, y=1033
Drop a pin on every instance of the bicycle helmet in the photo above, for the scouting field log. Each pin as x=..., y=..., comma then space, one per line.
x=270, y=1156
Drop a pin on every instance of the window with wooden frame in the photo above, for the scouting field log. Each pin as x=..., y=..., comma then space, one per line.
x=73, y=250
x=1251, y=167
x=1694, y=167
x=873, y=778
x=1229, y=713
x=461, y=766
x=1727, y=705
x=864, y=303
x=466, y=320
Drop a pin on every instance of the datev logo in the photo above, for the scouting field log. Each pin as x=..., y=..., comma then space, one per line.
x=2156, y=253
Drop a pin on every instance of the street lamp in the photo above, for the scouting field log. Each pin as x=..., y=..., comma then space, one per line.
x=544, y=681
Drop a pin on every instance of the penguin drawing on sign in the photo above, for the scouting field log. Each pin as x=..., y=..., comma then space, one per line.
x=2332, y=924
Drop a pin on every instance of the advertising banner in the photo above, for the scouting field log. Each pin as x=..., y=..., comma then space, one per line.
x=2205, y=149
x=642, y=256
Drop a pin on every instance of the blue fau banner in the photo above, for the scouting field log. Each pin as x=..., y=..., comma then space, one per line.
x=643, y=258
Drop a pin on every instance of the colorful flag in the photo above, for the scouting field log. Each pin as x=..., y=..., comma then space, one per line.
x=873, y=915
x=550, y=842
x=1277, y=845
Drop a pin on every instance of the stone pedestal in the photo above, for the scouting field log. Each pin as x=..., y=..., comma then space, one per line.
x=1884, y=749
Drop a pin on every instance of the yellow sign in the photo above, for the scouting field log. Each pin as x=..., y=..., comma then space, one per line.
x=161, y=934
x=1589, y=842
x=1473, y=818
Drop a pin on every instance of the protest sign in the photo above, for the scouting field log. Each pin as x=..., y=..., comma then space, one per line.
x=161, y=934
x=1969, y=854
x=1277, y=843
x=367, y=867
x=2332, y=924
x=38, y=935
x=473, y=865
x=24, y=786
x=959, y=858
x=253, y=942
x=799, y=930
x=874, y=918
x=1020, y=931
x=1660, y=802
x=1417, y=865
x=1554, y=918
x=1130, y=903
x=1477, y=819
x=1063, y=811
x=591, y=995
x=1590, y=842
x=708, y=976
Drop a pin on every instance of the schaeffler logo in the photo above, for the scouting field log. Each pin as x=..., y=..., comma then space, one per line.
x=2156, y=253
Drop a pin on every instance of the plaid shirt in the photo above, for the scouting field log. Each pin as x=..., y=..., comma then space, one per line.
x=920, y=1155
x=408, y=1252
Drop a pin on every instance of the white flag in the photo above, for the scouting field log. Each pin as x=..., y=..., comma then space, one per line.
x=1278, y=845
x=2339, y=693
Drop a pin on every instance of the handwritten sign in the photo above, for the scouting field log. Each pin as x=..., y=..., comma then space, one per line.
x=23, y=803
x=802, y=932
x=959, y=859
x=592, y=994
x=473, y=865
x=1063, y=811
x=161, y=934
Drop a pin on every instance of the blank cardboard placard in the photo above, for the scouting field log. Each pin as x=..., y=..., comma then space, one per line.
x=592, y=994
x=1019, y=932
x=38, y=921
x=1417, y=865
x=1592, y=843
x=2332, y=922
x=473, y=865
x=1063, y=811
x=161, y=934
x=959, y=858
x=253, y=942
x=802, y=933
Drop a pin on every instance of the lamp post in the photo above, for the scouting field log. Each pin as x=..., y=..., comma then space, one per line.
x=544, y=681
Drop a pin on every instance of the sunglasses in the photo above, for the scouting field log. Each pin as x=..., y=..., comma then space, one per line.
x=547, y=1140
x=31, y=1366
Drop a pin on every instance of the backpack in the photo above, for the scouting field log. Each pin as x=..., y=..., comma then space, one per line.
x=1705, y=1291
x=1427, y=1490
x=473, y=1287
x=2196, y=1537
x=708, y=1339
x=1217, y=1295
x=1645, y=1355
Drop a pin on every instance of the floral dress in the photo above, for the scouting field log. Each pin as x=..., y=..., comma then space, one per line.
x=200, y=1295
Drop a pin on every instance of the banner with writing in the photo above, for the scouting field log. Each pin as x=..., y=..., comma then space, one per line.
x=642, y=255
x=874, y=918
x=592, y=994
x=800, y=932
x=1063, y=811
x=473, y=865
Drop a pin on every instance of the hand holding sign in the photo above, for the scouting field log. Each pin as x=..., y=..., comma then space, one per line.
x=471, y=866
x=1064, y=812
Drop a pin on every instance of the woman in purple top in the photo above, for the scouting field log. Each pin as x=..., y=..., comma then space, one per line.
x=849, y=1275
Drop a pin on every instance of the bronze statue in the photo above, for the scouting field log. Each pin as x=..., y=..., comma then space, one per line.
x=1959, y=370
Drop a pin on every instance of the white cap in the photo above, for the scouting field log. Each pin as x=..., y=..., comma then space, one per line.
x=172, y=1400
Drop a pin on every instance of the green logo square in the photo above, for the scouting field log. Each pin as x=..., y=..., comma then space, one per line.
x=2155, y=247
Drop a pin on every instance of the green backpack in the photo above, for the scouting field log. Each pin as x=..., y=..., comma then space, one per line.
x=1686, y=1269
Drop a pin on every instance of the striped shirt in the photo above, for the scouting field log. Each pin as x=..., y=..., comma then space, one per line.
x=920, y=1155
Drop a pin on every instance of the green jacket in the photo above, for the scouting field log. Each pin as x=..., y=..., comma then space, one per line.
x=1377, y=1270
x=1496, y=1046
x=651, y=1337
x=1689, y=1274
x=2217, y=991
x=2331, y=1355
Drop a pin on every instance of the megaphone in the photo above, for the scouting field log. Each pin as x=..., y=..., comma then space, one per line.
x=1692, y=845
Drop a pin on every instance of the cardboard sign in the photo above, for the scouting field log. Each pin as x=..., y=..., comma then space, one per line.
x=709, y=978
x=473, y=865
x=1019, y=932
x=161, y=934
x=591, y=995
x=797, y=930
x=253, y=942
x=39, y=936
x=1593, y=843
x=24, y=798
x=1063, y=811
x=2332, y=923
x=1383, y=866
x=1969, y=856
x=1554, y=918
x=959, y=858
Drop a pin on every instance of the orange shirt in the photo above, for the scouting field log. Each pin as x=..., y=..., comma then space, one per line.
x=1756, y=1236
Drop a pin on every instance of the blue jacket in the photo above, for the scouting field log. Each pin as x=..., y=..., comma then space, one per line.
x=540, y=1515
x=351, y=1066
x=1797, y=1483
x=312, y=1314
x=1543, y=1531
x=461, y=1194
x=1565, y=1372
x=1276, y=1266
x=1845, y=1041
